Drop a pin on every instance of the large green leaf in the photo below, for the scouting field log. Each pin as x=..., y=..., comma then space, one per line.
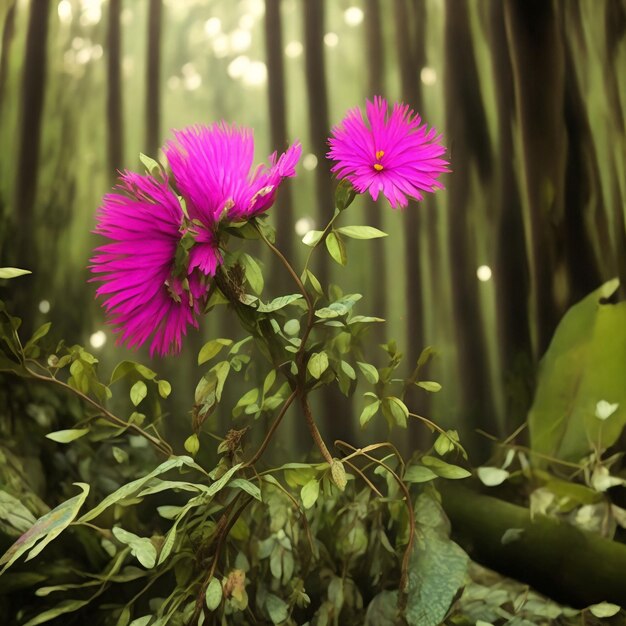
x=47, y=528
x=437, y=569
x=585, y=364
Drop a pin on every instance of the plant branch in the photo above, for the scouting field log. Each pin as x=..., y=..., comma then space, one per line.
x=270, y=433
x=160, y=445
x=315, y=433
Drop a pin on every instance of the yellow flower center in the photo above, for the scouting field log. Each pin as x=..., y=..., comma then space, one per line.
x=379, y=155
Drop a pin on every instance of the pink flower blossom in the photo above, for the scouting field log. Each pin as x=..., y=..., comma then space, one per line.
x=212, y=169
x=395, y=154
x=142, y=219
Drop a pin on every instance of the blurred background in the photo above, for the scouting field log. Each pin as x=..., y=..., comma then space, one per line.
x=529, y=96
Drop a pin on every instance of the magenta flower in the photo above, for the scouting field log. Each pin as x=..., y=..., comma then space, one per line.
x=143, y=298
x=211, y=166
x=395, y=154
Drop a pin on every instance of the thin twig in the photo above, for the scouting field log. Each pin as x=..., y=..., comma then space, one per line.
x=159, y=444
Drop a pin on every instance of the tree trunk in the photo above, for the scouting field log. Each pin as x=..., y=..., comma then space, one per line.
x=511, y=273
x=467, y=128
x=30, y=128
x=572, y=566
x=153, y=79
x=115, y=117
x=537, y=60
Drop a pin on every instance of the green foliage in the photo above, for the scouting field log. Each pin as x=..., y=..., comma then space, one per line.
x=584, y=366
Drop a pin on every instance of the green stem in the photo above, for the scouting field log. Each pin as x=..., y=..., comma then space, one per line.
x=272, y=430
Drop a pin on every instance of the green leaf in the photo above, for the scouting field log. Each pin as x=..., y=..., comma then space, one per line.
x=12, y=272
x=221, y=371
x=138, y=392
x=336, y=248
x=192, y=444
x=418, y=474
x=309, y=493
x=348, y=370
x=314, y=282
x=140, y=547
x=46, y=529
x=211, y=349
x=437, y=568
x=318, y=364
x=126, y=367
x=492, y=476
x=164, y=388
x=254, y=275
x=429, y=385
x=369, y=371
x=152, y=167
x=344, y=194
x=368, y=412
x=269, y=381
x=278, y=609
x=312, y=238
x=130, y=489
x=383, y=610
x=396, y=410
x=141, y=621
x=213, y=595
x=15, y=513
x=42, y=331
x=65, y=436
x=65, y=606
x=443, y=469
x=338, y=474
x=604, y=609
x=292, y=327
x=585, y=363
x=361, y=232
x=121, y=456
x=278, y=303
x=247, y=486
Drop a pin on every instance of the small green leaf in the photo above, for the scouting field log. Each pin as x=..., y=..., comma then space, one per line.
x=361, y=232
x=12, y=272
x=397, y=410
x=368, y=412
x=338, y=474
x=443, y=469
x=604, y=609
x=312, y=238
x=254, y=275
x=138, y=392
x=121, y=456
x=336, y=248
x=369, y=371
x=318, y=364
x=140, y=547
x=269, y=381
x=314, y=282
x=278, y=609
x=429, y=385
x=492, y=476
x=192, y=444
x=213, y=594
x=164, y=388
x=344, y=194
x=348, y=370
x=278, y=303
x=65, y=436
x=152, y=167
x=309, y=493
x=211, y=349
x=418, y=474
x=292, y=327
